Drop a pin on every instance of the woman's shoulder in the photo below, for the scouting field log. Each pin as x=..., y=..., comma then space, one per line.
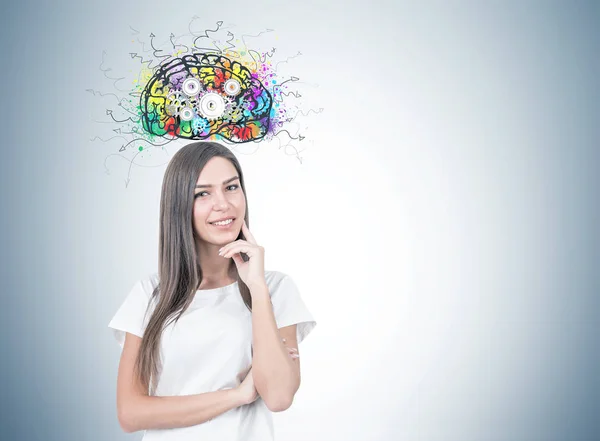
x=148, y=283
x=273, y=276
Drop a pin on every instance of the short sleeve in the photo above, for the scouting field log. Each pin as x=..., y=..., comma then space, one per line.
x=289, y=308
x=131, y=316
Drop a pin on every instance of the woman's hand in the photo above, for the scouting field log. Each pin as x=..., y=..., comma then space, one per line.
x=292, y=352
x=251, y=272
x=246, y=389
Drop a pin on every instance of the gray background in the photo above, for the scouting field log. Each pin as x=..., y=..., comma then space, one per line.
x=468, y=130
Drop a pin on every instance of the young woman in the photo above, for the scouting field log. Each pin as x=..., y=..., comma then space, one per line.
x=209, y=342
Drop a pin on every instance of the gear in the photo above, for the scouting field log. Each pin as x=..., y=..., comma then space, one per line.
x=235, y=113
x=191, y=86
x=172, y=110
x=232, y=87
x=175, y=103
x=213, y=106
x=175, y=96
x=187, y=114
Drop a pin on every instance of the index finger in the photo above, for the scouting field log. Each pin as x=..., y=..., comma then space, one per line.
x=248, y=234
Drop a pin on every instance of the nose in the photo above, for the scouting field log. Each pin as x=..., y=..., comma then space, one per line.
x=220, y=201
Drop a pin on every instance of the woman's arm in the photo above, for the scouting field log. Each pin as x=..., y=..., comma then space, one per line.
x=276, y=374
x=146, y=412
x=138, y=411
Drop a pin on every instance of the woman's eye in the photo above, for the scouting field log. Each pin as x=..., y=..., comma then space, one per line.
x=232, y=185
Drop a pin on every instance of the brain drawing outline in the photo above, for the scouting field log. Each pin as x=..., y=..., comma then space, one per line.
x=201, y=95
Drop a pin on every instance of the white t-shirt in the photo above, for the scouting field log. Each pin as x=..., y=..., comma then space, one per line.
x=210, y=349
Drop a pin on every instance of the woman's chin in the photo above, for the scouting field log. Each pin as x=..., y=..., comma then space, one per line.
x=226, y=235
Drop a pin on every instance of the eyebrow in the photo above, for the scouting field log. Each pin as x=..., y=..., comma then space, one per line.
x=210, y=185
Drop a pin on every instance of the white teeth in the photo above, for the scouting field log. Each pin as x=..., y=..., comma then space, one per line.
x=227, y=222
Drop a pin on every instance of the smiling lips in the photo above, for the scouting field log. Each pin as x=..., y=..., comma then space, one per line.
x=223, y=223
x=222, y=219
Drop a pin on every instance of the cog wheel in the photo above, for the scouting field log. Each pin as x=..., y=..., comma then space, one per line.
x=232, y=87
x=234, y=113
x=175, y=96
x=213, y=106
x=172, y=110
x=191, y=86
x=187, y=114
x=175, y=102
x=229, y=105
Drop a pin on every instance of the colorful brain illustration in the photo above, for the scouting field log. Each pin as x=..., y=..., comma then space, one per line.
x=196, y=96
x=204, y=84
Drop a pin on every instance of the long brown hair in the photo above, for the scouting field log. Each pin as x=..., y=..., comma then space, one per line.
x=179, y=269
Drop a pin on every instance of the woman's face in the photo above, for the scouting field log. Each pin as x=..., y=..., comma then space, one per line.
x=218, y=195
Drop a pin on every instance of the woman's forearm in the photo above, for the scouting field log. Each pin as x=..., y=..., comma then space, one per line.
x=154, y=412
x=272, y=366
